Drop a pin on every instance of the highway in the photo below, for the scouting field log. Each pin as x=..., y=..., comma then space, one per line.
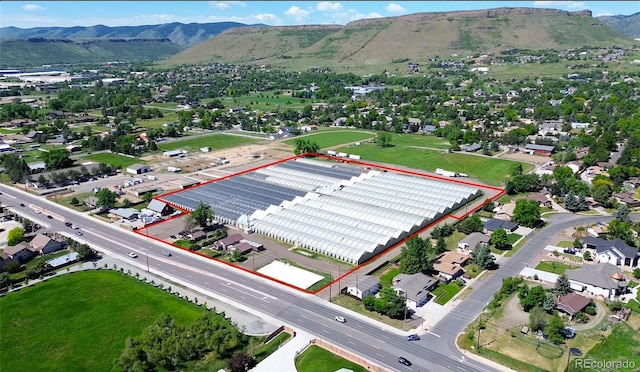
x=436, y=351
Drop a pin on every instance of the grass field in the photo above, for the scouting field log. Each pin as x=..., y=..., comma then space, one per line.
x=88, y=317
x=417, y=140
x=116, y=160
x=266, y=101
x=215, y=141
x=387, y=278
x=488, y=170
x=317, y=359
x=334, y=138
x=622, y=345
x=167, y=117
x=555, y=267
x=445, y=292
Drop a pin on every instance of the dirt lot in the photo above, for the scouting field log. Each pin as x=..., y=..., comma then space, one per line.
x=520, y=156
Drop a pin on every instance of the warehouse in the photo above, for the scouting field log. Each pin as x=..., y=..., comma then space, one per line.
x=347, y=212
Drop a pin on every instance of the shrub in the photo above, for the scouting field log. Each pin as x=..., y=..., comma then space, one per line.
x=590, y=310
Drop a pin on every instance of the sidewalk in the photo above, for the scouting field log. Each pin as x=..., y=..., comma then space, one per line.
x=283, y=359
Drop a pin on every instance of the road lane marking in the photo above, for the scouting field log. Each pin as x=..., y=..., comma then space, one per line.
x=380, y=355
x=325, y=331
x=431, y=333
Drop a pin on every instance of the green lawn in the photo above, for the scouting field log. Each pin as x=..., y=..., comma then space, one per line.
x=555, y=267
x=267, y=349
x=66, y=201
x=116, y=160
x=488, y=170
x=418, y=140
x=33, y=263
x=387, y=278
x=266, y=101
x=334, y=138
x=513, y=238
x=622, y=345
x=215, y=141
x=80, y=321
x=317, y=359
x=444, y=292
x=168, y=117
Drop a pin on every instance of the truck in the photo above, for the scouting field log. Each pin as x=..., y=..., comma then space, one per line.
x=173, y=169
x=446, y=173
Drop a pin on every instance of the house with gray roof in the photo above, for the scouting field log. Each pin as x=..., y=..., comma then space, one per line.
x=471, y=241
x=160, y=208
x=602, y=279
x=360, y=287
x=415, y=287
x=42, y=244
x=615, y=252
x=126, y=213
x=494, y=224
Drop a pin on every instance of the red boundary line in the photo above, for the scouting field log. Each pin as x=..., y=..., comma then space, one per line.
x=498, y=195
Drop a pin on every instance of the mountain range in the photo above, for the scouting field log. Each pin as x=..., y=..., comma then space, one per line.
x=365, y=43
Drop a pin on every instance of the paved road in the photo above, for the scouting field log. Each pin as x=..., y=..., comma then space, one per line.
x=375, y=341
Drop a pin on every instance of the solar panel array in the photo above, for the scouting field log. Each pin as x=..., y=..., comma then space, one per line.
x=345, y=212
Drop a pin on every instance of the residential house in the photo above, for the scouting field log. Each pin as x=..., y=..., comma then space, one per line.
x=541, y=198
x=627, y=199
x=4, y=259
x=494, y=224
x=615, y=252
x=340, y=122
x=19, y=252
x=539, y=149
x=449, y=265
x=159, y=208
x=360, y=287
x=224, y=243
x=42, y=244
x=237, y=109
x=471, y=148
x=416, y=288
x=600, y=228
x=572, y=303
x=197, y=235
x=125, y=213
x=602, y=279
x=428, y=129
x=471, y=241
x=172, y=153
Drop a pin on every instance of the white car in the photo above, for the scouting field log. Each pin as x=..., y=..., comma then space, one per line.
x=132, y=255
x=341, y=319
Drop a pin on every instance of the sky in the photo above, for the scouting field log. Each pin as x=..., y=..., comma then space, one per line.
x=274, y=13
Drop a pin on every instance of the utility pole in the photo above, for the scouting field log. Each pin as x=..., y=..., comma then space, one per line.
x=479, y=327
x=404, y=321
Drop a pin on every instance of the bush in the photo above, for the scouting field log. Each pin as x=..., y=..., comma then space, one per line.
x=590, y=310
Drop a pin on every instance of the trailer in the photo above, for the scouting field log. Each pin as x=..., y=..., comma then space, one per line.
x=446, y=173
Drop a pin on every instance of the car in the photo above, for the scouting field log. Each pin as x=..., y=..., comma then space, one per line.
x=49, y=216
x=569, y=251
x=79, y=233
x=462, y=281
x=404, y=361
x=22, y=204
x=38, y=211
x=413, y=337
x=173, y=237
x=168, y=254
x=132, y=255
x=340, y=319
x=75, y=227
x=68, y=224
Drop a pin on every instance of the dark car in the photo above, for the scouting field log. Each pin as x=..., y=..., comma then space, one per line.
x=404, y=361
x=68, y=224
x=413, y=337
x=21, y=204
x=49, y=216
x=570, y=251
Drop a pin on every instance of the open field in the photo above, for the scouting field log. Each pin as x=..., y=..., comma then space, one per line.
x=116, y=160
x=418, y=140
x=215, y=141
x=491, y=171
x=267, y=101
x=622, y=345
x=555, y=267
x=334, y=138
x=317, y=359
x=78, y=332
x=168, y=117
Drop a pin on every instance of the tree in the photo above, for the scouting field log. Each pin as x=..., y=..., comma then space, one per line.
x=499, y=239
x=241, y=363
x=85, y=253
x=526, y=212
x=5, y=279
x=190, y=223
x=622, y=213
x=483, y=257
x=555, y=330
x=304, y=146
x=15, y=236
x=562, y=286
x=441, y=245
x=74, y=201
x=414, y=258
x=622, y=230
x=537, y=319
x=549, y=303
x=147, y=197
x=470, y=224
x=383, y=139
x=203, y=214
x=636, y=273
x=602, y=193
x=532, y=297
x=57, y=159
x=587, y=256
x=577, y=243
x=106, y=198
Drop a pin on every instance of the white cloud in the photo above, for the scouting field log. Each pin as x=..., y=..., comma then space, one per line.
x=326, y=6
x=297, y=13
x=603, y=13
x=357, y=15
x=266, y=18
x=395, y=8
x=561, y=4
x=224, y=5
x=32, y=7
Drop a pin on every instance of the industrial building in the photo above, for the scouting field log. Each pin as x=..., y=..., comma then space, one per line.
x=351, y=213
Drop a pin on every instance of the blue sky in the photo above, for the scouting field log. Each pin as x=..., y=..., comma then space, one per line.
x=132, y=13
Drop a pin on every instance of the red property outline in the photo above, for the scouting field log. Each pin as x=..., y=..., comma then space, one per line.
x=376, y=166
